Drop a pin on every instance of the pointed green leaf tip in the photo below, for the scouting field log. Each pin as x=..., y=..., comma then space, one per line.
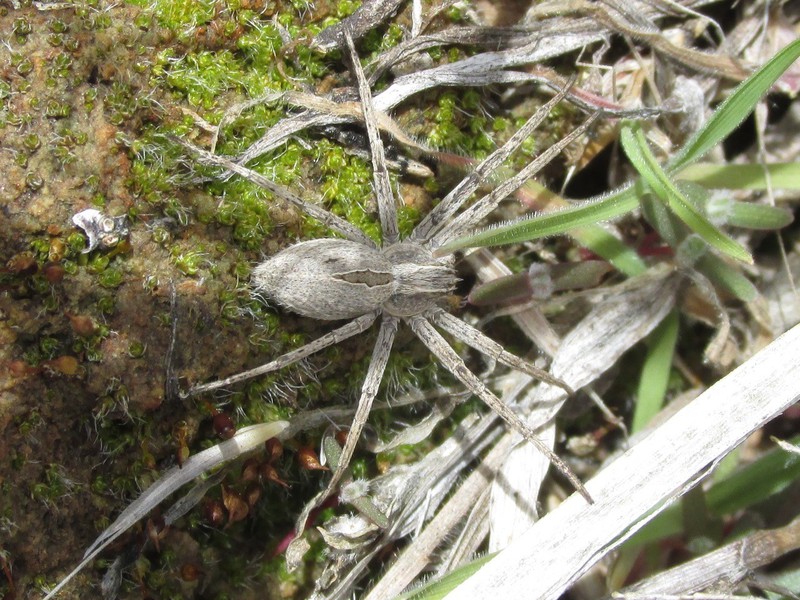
x=735, y=109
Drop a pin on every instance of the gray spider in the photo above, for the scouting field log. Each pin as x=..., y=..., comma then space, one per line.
x=403, y=280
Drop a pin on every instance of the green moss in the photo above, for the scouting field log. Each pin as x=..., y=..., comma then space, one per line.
x=459, y=125
x=136, y=349
x=49, y=347
x=188, y=262
x=21, y=27
x=33, y=181
x=121, y=102
x=29, y=423
x=57, y=110
x=89, y=97
x=260, y=46
x=152, y=172
x=179, y=15
x=111, y=278
x=57, y=26
x=244, y=207
x=52, y=488
x=99, y=485
x=76, y=242
x=201, y=78
x=31, y=142
x=60, y=65
x=106, y=305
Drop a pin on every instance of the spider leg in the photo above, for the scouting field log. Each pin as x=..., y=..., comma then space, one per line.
x=330, y=220
x=377, y=365
x=453, y=363
x=442, y=212
x=471, y=216
x=487, y=346
x=369, y=389
x=386, y=203
x=354, y=327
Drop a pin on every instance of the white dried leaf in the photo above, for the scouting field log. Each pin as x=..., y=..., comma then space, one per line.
x=591, y=348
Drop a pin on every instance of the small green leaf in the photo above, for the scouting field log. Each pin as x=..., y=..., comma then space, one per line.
x=605, y=245
x=758, y=216
x=726, y=277
x=503, y=290
x=724, y=210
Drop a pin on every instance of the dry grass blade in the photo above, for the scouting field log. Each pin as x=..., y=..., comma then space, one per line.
x=728, y=565
x=550, y=556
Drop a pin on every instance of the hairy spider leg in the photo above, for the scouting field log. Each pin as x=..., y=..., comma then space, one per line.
x=453, y=363
x=472, y=215
x=377, y=365
x=327, y=218
x=387, y=209
x=442, y=212
x=352, y=328
x=473, y=338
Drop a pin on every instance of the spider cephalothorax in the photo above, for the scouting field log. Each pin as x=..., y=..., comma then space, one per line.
x=404, y=280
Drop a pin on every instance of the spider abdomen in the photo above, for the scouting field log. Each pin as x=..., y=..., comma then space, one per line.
x=327, y=279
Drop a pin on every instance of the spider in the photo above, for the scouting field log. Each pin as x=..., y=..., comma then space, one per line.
x=333, y=279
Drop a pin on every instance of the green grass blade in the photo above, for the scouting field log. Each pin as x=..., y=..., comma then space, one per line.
x=439, y=588
x=735, y=109
x=638, y=151
x=755, y=482
x=782, y=176
x=655, y=372
x=548, y=224
x=592, y=237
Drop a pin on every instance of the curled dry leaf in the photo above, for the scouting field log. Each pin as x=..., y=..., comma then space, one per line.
x=237, y=507
x=65, y=365
x=309, y=460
